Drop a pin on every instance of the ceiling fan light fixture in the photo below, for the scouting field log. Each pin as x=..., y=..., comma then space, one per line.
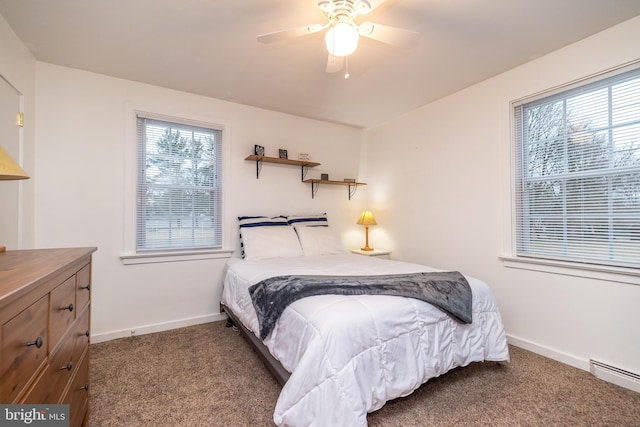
x=342, y=39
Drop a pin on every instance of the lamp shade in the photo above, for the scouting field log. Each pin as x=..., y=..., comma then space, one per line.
x=342, y=39
x=9, y=169
x=366, y=218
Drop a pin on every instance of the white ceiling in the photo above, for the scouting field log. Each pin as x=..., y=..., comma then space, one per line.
x=209, y=47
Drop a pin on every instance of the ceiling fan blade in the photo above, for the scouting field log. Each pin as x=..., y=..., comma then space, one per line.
x=334, y=63
x=277, y=36
x=390, y=35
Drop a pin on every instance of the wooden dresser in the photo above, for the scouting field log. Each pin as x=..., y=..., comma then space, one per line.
x=45, y=298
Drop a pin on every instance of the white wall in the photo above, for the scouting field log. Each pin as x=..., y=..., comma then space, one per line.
x=82, y=138
x=18, y=68
x=439, y=179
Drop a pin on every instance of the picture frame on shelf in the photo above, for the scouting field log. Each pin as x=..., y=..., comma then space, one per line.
x=324, y=176
x=258, y=150
x=282, y=153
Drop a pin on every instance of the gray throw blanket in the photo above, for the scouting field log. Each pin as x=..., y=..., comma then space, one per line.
x=449, y=291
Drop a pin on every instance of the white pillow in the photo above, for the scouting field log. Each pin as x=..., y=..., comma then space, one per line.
x=319, y=241
x=270, y=242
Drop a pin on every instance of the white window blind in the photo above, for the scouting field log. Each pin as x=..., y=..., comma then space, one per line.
x=577, y=174
x=179, y=188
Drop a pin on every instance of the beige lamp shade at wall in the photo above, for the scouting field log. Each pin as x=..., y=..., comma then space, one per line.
x=9, y=169
x=366, y=218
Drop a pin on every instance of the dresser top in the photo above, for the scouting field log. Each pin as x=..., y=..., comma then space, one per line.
x=23, y=269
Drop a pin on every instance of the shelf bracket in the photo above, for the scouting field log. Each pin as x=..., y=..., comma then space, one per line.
x=258, y=167
x=314, y=188
x=304, y=169
x=352, y=190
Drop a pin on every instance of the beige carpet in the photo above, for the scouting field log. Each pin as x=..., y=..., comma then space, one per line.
x=207, y=375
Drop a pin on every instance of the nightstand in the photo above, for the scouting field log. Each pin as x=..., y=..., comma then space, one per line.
x=378, y=253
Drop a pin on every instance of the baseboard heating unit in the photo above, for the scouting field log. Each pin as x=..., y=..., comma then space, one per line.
x=615, y=375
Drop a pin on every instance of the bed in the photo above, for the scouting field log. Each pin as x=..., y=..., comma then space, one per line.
x=340, y=357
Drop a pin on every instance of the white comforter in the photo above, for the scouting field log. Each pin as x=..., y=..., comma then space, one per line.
x=348, y=355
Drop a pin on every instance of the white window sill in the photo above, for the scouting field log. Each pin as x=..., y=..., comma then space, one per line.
x=599, y=272
x=131, y=259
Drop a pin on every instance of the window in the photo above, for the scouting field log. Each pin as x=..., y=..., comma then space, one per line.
x=577, y=174
x=179, y=188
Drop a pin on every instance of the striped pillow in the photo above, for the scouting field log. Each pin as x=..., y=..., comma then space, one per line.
x=259, y=221
x=308, y=220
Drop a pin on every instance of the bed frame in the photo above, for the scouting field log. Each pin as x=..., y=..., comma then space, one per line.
x=276, y=368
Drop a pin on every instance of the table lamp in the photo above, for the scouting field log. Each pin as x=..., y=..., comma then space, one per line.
x=366, y=219
x=9, y=170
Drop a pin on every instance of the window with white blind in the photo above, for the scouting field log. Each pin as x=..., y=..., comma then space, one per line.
x=577, y=174
x=179, y=188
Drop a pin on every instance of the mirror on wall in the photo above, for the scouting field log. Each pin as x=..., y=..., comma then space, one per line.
x=10, y=141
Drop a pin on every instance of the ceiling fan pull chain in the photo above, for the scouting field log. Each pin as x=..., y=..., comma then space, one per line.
x=346, y=66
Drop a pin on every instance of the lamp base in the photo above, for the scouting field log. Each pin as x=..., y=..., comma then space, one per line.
x=366, y=248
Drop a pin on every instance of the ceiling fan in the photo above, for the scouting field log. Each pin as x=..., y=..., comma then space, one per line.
x=342, y=37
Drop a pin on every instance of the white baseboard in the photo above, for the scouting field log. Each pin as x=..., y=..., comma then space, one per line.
x=551, y=353
x=157, y=327
x=600, y=370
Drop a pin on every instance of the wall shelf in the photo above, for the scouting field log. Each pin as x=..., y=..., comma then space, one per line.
x=303, y=164
x=315, y=184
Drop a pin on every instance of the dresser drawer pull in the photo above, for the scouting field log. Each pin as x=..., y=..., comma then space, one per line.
x=69, y=307
x=86, y=334
x=68, y=367
x=37, y=342
x=88, y=287
x=85, y=387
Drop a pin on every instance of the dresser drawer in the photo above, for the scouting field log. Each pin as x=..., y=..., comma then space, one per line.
x=78, y=395
x=63, y=303
x=42, y=392
x=24, y=348
x=81, y=333
x=61, y=367
x=83, y=287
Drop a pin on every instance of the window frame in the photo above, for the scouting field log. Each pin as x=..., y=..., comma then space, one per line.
x=129, y=254
x=613, y=272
